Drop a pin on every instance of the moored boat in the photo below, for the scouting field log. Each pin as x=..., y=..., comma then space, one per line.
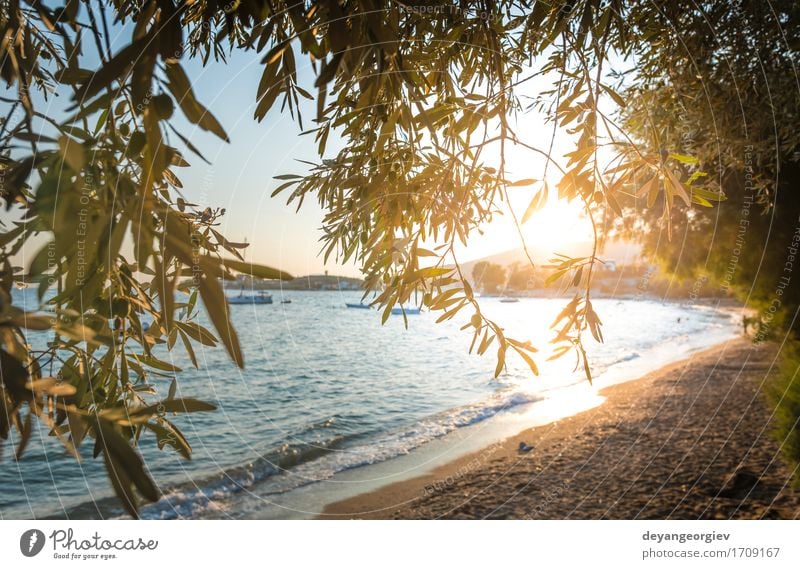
x=400, y=310
x=261, y=298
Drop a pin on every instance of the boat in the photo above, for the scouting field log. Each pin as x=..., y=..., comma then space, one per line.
x=509, y=299
x=399, y=310
x=286, y=301
x=356, y=305
x=261, y=298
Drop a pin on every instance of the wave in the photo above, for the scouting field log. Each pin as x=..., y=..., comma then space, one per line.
x=293, y=466
x=627, y=358
x=341, y=410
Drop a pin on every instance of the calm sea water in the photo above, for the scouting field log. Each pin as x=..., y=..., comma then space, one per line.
x=327, y=389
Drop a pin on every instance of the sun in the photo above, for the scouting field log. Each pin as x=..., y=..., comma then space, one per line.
x=558, y=227
x=558, y=224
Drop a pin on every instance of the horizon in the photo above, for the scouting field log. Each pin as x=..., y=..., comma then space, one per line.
x=560, y=238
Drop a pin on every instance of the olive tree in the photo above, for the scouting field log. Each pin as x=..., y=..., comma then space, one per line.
x=427, y=98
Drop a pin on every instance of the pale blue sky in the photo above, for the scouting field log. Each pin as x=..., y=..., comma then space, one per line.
x=240, y=176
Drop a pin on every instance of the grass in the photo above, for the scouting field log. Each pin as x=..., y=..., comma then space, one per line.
x=784, y=397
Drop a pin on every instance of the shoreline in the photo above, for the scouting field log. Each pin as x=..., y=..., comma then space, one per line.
x=690, y=440
x=308, y=500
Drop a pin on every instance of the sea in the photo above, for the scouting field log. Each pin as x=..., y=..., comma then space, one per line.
x=331, y=403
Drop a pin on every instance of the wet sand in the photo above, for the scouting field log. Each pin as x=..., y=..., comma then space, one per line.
x=689, y=441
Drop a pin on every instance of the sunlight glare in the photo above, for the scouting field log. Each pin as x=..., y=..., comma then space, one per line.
x=557, y=224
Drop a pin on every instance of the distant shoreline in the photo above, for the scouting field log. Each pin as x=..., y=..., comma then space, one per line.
x=688, y=441
x=724, y=302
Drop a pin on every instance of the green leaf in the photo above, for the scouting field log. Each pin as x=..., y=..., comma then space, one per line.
x=528, y=360
x=172, y=436
x=433, y=272
x=524, y=182
x=115, y=68
x=72, y=152
x=501, y=359
x=677, y=185
x=122, y=484
x=188, y=144
x=275, y=53
x=156, y=363
x=124, y=462
x=255, y=270
x=539, y=200
x=614, y=95
x=217, y=308
x=555, y=276
x=586, y=369
x=198, y=333
x=11, y=235
x=25, y=435
x=707, y=195
x=180, y=87
x=684, y=158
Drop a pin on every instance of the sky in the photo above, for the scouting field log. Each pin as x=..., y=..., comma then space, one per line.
x=240, y=176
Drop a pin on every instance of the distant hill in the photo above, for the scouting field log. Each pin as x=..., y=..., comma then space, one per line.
x=308, y=282
x=619, y=252
x=625, y=274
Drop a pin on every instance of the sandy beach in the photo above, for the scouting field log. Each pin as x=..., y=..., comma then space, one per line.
x=690, y=441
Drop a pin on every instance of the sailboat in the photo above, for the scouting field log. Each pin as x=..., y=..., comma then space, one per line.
x=398, y=310
x=263, y=297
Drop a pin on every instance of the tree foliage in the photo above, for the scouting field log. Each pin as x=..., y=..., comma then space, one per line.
x=723, y=89
x=488, y=277
x=428, y=99
x=523, y=277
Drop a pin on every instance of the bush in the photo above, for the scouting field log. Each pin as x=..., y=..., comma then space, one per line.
x=783, y=396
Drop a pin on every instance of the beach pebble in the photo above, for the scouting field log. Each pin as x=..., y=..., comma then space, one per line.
x=739, y=485
x=525, y=447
